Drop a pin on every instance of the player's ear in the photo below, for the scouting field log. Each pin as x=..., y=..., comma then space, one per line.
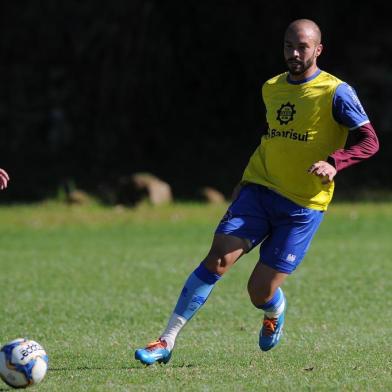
x=319, y=49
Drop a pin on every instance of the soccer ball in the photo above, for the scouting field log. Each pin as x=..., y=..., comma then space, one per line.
x=23, y=363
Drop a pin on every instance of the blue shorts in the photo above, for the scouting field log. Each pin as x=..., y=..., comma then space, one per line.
x=283, y=228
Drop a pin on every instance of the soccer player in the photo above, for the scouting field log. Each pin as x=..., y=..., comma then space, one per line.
x=4, y=178
x=285, y=189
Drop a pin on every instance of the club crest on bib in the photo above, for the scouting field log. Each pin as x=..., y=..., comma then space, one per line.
x=286, y=113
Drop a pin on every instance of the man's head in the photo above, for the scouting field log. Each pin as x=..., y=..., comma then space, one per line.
x=302, y=46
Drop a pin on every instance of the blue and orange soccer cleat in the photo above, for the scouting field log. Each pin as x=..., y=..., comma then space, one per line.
x=271, y=332
x=153, y=352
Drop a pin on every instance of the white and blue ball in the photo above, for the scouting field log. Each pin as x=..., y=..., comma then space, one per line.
x=23, y=363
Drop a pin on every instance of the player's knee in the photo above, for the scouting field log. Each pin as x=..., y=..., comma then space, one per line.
x=218, y=264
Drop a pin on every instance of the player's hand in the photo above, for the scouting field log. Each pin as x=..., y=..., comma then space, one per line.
x=324, y=170
x=4, y=178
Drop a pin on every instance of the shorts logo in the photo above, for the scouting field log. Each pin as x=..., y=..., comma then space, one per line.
x=286, y=113
x=291, y=258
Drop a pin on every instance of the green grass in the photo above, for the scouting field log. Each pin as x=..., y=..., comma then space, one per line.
x=91, y=284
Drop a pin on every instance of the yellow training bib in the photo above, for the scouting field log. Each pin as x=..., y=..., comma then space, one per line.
x=301, y=131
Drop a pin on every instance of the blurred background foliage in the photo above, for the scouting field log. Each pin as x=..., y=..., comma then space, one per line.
x=91, y=91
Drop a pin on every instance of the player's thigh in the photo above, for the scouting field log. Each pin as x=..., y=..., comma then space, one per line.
x=247, y=216
x=289, y=240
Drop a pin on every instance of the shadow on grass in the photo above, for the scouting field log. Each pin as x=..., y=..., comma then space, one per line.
x=86, y=368
x=136, y=366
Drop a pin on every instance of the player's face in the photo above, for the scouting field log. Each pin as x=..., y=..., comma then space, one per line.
x=300, y=52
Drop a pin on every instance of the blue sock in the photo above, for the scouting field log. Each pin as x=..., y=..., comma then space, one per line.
x=275, y=305
x=195, y=292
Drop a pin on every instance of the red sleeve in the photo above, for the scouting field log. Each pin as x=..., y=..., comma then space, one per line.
x=364, y=146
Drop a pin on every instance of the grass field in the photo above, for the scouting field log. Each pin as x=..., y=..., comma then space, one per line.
x=91, y=284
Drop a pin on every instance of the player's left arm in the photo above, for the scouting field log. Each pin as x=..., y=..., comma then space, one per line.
x=4, y=178
x=362, y=142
